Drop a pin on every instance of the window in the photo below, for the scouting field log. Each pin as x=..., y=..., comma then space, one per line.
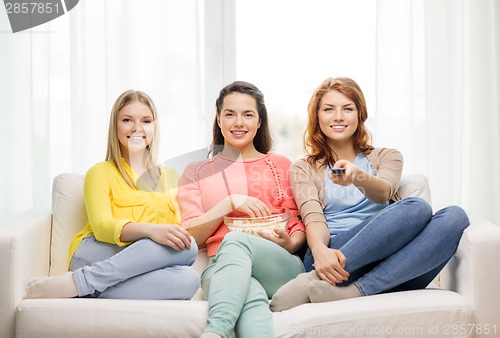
x=287, y=48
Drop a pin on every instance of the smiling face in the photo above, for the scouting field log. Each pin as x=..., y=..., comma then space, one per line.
x=337, y=117
x=239, y=121
x=135, y=128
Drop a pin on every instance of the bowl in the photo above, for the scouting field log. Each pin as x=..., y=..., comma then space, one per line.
x=253, y=225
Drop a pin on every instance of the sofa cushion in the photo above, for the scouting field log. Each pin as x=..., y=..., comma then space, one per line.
x=109, y=318
x=415, y=185
x=68, y=218
x=423, y=313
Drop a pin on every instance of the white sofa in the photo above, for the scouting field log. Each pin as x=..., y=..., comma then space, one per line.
x=36, y=243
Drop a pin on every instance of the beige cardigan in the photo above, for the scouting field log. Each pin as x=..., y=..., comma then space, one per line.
x=308, y=182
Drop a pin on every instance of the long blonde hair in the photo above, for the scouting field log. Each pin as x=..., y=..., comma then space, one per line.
x=315, y=142
x=114, y=152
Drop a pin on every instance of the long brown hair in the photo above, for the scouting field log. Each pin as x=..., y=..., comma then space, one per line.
x=315, y=142
x=262, y=141
x=114, y=153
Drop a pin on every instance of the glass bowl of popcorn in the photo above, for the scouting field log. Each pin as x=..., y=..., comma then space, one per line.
x=265, y=224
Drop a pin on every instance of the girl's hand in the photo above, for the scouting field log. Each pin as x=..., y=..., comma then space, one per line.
x=282, y=239
x=289, y=243
x=251, y=206
x=171, y=235
x=330, y=264
x=375, y=189
x=351, y=172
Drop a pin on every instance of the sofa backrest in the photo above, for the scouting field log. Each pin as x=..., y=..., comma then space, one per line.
x=415, y=185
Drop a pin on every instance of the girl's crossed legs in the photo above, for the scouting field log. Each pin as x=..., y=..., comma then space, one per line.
x=142, y=270
x=401, y=248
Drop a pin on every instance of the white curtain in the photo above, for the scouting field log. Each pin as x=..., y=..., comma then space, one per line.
x=463, y=107
x=400, y=81
x=59, y=81
x=438, y=84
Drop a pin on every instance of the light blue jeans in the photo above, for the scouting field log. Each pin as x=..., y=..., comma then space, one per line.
x=141, y=270
x=239, y=281
x=403, y=247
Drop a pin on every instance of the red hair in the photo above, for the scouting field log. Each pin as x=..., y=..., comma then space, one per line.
x=315, y=142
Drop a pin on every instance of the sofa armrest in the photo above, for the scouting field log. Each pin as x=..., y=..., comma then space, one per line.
x=24, y=253
x=474, y=271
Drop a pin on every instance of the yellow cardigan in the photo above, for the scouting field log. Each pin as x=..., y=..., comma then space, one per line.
x=111, y=203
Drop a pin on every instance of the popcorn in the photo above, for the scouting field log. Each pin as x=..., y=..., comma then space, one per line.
x=253, y=225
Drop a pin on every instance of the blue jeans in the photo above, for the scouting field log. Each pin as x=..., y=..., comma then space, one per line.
x=239, y=281
x=403, y=247
x=141, y=270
